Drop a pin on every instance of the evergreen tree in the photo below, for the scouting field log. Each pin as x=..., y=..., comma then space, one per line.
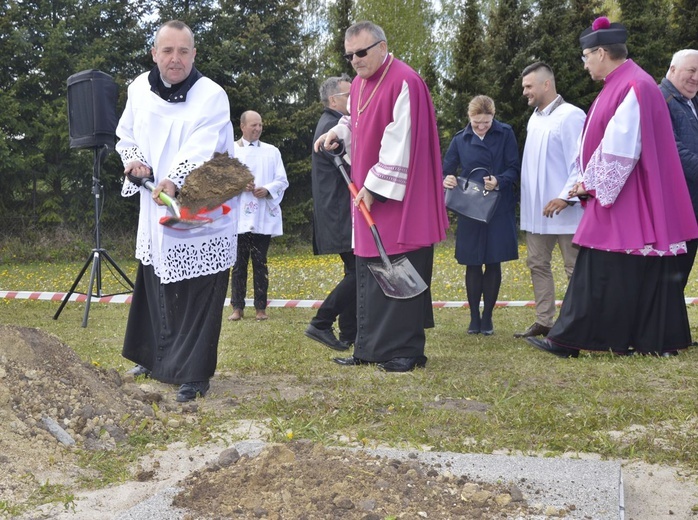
x=468, y=77
x=506, y=56
x=555, y=40
x=57, y=40
x=258, y=56
x=649, y=43
x=684, y=24
x=340, y=21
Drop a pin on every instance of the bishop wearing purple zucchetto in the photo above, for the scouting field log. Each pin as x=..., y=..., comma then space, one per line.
x=626, y=292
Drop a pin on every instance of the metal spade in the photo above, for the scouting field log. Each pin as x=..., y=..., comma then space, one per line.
x=397, y=279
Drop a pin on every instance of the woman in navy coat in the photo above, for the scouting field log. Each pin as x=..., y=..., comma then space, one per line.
x=490, y=144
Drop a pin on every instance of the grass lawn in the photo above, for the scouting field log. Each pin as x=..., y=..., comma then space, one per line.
x=477, y=394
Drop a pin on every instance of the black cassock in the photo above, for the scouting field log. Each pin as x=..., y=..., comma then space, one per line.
x=173, y=329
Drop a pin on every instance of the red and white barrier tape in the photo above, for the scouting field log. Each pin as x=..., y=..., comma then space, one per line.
x=301, y=304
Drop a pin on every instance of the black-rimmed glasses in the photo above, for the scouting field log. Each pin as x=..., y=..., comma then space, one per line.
x=360, y=53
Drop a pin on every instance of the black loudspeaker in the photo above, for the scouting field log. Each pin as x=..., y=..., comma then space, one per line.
x=92, y=109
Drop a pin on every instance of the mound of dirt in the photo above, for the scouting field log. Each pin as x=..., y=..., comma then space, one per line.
x=52, y=403
x=306, y=481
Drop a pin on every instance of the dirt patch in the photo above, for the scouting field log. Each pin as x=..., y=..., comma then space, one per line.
x=306, y=481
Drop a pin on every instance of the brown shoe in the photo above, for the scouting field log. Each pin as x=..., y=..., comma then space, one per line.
x=237, y=315
x=261, y=316
x=534, y=330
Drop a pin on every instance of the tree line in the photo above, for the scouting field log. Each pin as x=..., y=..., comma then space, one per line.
x=271, y=56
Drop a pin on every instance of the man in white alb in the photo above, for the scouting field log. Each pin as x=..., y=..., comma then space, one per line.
x=548, y=172
x=259, y=216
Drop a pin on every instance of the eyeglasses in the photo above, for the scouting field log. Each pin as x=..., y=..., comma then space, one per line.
x=585, y=57
x=360, y=53
x=341, y=93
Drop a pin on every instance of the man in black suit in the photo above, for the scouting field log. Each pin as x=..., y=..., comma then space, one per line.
x=332, y=233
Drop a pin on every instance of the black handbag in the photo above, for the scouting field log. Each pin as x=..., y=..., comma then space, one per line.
x=471, y=199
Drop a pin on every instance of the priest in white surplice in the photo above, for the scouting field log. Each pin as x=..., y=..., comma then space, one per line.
x=548, y=172
x=175, y=119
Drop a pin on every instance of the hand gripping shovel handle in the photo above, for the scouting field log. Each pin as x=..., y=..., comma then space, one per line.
x=183, y=219
x=164, y=197
x=169, y=201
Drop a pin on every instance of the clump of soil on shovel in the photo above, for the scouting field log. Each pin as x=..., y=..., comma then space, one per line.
x=211, y=184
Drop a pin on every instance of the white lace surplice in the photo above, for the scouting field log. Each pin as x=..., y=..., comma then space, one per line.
x=174, y=138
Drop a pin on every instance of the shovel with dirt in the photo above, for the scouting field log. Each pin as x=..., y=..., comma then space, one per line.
x=207, y=187
x=397, y=279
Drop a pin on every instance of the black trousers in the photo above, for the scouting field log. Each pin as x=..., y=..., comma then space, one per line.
x=255, y=246
x=340, y=304
x=173, y=329
x=390, y=328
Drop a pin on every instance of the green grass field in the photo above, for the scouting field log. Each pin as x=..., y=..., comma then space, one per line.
x=477, y=394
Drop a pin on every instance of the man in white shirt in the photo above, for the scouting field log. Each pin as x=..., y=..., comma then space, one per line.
x=259, y=214
x=548, y=172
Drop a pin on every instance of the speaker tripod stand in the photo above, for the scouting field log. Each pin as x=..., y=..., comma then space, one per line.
x=98, y=254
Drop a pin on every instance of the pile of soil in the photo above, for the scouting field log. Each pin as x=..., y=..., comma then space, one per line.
x=306, y=481
x=52, y=403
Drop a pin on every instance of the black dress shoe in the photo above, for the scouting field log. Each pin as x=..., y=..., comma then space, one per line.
x=486, y=326
x=403, y=364
x=190, y=391
x=350, y=361
x=326, y=337
x=534, y=330
x=139, y=370
x=553, y=349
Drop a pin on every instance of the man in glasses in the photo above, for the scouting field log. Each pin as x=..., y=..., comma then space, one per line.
x=393, y=142
x=332, y=225
x=626, y=291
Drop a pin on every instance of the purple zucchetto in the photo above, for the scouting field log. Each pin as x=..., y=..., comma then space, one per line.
x=602, y=32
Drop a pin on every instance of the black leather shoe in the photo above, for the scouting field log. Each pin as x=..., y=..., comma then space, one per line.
x=534, y=330
x=403, y=364
x=486, y=327
x=190, y=391
x=350, y=361
x=139, y=370
x=551, y=348
x=326, y=337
